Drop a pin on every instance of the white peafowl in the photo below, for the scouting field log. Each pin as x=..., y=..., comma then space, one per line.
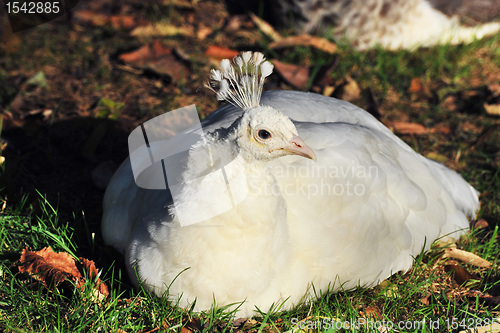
x=323, y=195
x=392, y=24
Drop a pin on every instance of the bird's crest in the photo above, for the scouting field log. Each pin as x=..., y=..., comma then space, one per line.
x=241, y=82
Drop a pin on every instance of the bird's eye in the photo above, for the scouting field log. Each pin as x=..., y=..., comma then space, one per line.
x=263, y=134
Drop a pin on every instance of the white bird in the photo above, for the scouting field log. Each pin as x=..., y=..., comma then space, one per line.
x=392, y=24
x=322, y=194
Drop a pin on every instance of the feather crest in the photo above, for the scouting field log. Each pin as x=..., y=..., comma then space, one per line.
x=242, y=81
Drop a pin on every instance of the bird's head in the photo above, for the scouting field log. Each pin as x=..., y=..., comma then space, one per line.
x=264, y=134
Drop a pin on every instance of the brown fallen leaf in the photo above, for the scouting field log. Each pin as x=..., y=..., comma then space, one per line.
x=145, y=53
x=441, y=128
x=218, y=53
x=466, y=257
x=371, y=312
x=265, y=27
x=493, y=300
x=348, y=90
x=157, y=58
x=328, y=90
x=481, y=224
x=319, y=43
x=203, y=32
x=95, y=19
x=403, y=127
x=296, y=76
x=235, y=23
x=415, y=85
x=460, y=274
x=180, y=4
x=53, y=268
x=249, y=324
x=492, y=109
x=162, y=30
x=425, y=299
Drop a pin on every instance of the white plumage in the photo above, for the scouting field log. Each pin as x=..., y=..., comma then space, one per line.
x=358, y=214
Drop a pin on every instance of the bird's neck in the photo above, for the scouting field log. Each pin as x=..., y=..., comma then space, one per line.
x=219, y=181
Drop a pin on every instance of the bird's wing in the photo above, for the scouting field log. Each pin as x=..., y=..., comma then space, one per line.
x=365, y=197
x=314, y=108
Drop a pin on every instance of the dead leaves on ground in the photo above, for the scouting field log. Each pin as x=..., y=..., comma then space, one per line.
x=52, y=269
x=296, y=76
x=96, y=19
x=159, y=59
x=162, y=30
x=462, y=272
x=466, y=257
x=279, y=42
x=218, y=53
x=319, y=43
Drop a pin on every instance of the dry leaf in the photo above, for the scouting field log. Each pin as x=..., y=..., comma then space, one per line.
x=203, y=32
x=441, y=128
x=249, y=323
x=145, y=53
x=265, y=27
x=415, y=85
x=328, y=90
x=319, y=43
x=53, y=268
x=218, y=53
x=161, y=30
x=296, y=76
x=466, y=257
x=425, y=299
x=481, y=224
x=157, y=58
x=460, y=274
x=492, y=109
x=403, y=127
x=493, y=300
x=371, y=312
x=4, y=200
x=348, y=91
x=116, y=21
x=180, y=4
x=235, y=23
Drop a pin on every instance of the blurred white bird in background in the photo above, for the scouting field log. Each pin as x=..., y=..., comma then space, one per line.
x=323, y=194
x=392, y=24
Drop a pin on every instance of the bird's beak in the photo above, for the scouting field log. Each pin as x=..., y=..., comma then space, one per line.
x=298, y=147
